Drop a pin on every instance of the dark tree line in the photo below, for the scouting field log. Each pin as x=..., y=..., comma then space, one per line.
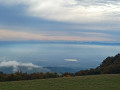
x=25, y=76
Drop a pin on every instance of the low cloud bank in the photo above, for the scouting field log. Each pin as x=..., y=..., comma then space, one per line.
x=19, y=66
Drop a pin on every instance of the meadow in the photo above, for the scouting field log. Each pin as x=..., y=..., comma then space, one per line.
x=91, y=82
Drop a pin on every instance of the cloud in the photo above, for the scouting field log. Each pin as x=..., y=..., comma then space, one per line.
x=71, y=60
x=77, y=11
x=16, y=66
x=105, y=26
x=10, y=35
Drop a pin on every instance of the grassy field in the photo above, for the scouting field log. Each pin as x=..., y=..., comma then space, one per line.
x=95, y=82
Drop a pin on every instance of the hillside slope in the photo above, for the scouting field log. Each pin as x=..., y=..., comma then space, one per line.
x=95, y=82
x=110, y=65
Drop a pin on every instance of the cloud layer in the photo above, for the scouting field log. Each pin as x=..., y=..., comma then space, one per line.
x=77, y=11
x=10, y=35
x=68, y=20
x=16, y=66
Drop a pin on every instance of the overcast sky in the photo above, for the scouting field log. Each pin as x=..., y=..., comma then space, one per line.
x=69, y=20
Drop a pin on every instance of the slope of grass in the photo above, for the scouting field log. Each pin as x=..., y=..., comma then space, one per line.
x=95, y=82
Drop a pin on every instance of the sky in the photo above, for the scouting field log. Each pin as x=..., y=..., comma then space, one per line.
x=60, y=20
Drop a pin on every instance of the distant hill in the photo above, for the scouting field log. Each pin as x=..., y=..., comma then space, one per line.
x=59, y=42
x=111, y=65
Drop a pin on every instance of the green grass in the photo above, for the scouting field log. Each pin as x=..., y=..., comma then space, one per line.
x=95, y=82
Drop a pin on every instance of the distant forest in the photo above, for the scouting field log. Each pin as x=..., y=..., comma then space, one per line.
x=111, y=65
